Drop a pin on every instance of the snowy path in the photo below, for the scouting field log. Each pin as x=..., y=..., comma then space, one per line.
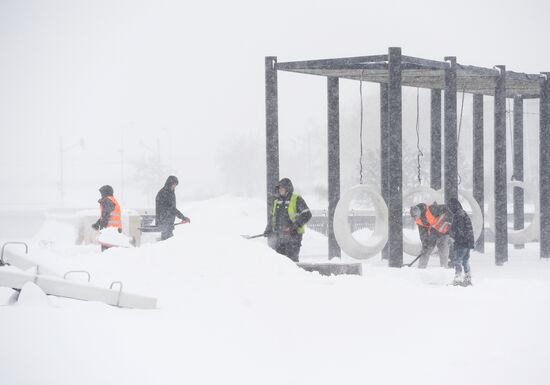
x=231, y=311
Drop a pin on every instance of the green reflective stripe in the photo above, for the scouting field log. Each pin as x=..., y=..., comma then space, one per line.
x=273, y=211
x=292, y=214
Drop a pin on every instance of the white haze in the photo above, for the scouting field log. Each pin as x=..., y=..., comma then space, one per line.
x=188, y=78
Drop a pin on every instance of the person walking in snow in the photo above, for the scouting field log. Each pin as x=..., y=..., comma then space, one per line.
x=463, y=235
x=433, y=227
x=288, y=219
x=166, y=211
x=110, y=212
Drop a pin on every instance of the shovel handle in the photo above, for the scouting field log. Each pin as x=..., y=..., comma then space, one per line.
x=252, y=236
x=412, y=263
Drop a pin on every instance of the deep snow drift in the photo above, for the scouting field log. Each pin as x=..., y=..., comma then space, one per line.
x=232, y=311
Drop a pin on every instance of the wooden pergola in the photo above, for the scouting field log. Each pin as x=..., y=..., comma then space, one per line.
x=393, y=71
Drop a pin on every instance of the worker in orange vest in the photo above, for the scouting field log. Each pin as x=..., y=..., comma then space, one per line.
x=433, y=223
x=110, y=212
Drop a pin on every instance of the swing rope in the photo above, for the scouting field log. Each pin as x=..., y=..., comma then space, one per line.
x=361, y=129
x=459, y=130
x=419, y=154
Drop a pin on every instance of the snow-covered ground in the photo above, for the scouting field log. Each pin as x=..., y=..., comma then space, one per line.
x=232, y=311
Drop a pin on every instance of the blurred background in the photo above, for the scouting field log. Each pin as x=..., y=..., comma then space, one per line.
x=128, y=92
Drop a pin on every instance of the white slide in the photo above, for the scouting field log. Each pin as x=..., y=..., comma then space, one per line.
x=63, y=288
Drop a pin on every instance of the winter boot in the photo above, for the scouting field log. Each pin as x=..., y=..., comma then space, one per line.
x=467, y=280
x=457, y=281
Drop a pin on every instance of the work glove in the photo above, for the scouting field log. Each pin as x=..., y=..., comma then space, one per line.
x=185, y=220
x=288, y=230
x=293, y=229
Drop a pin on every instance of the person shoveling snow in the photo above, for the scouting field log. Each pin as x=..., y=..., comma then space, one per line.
x=111, y=218
x=166, y=210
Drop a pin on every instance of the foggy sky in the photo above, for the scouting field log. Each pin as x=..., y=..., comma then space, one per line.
x=188, y=78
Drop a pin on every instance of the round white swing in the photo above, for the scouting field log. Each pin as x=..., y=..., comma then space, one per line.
x=342, y=230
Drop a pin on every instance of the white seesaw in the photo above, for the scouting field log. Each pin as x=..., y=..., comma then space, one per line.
x=63, y=288
x=24, y=261
x=54, y=283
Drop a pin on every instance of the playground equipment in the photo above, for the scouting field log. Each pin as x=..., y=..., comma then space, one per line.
x=393, y=71
x=23, y=269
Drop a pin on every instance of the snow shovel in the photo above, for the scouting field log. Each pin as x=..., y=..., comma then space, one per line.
x=412, y=263
x=253, y=236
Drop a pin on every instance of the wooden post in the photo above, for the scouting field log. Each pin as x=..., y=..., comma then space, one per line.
x=519, y=214
x=501, y=210
x=271, y=130
x=544, y=167
x=384, y=153
x=451, y=140
x=333, y=101
x=478, y=177
x=435, y=163
x=395, y=206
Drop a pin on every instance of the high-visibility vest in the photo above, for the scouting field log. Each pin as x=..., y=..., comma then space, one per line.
x=115, y=219
x=292, y=214
x=439, y=223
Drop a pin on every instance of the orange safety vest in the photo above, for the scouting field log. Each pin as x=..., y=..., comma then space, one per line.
x=115, y=219
x=439, y=223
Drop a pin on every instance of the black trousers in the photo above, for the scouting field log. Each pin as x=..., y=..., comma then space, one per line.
x=289, y=246
x=166, y=233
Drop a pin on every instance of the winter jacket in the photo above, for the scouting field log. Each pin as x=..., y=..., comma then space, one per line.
x=433, y=216
x=281, y=214
x=110, y=209
x=110, y=213
x=461, y=227
x=166, y=211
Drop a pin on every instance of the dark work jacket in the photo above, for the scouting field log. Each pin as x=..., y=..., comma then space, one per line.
x=461, y=230
x=435, y=209
x=166, y=211
x=282, y=219
x=107, y=206
x=429, y=235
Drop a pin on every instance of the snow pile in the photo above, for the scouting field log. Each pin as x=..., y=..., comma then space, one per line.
x=32, y=295
x=56, y=233
x=110, y=236
x=232, y=311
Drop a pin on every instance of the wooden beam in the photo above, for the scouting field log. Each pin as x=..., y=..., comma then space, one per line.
x=425, y=62
x=477, y=70
x=333, y=63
